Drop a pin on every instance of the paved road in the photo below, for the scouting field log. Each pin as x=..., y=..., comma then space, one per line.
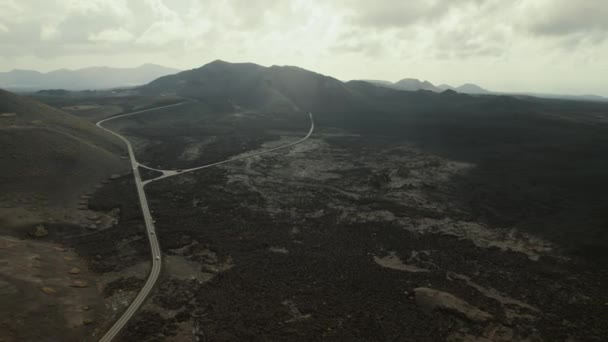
x=154, y=246
x=171, y=173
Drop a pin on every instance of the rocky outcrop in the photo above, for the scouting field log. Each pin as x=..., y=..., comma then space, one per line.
x=432, y=300
x=48, y=290
x=79, y=283
x=40, y=231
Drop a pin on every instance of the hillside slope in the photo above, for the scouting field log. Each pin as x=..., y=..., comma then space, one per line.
x=226, y=86
x=49, y=154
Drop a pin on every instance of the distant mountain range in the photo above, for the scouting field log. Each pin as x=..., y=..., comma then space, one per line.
x=82, y=79
x=412, y=84
x=226, y=87
x=100, y=78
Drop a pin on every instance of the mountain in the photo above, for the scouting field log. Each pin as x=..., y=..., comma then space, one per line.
x=226, y=85
x=446, y=87
x=592, y=98
x=412, y=84
x=470, y=88
x=379, y=82
x=230, y=86
x=81, y=79
x=49, y=153
x=467, y=88
x=407, y=84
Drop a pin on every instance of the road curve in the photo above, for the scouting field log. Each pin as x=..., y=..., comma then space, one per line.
x=154, y=246
x=171, y=173
x=150, y=228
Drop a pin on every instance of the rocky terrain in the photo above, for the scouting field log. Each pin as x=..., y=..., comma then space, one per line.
x=339, y=240
x=406, y=216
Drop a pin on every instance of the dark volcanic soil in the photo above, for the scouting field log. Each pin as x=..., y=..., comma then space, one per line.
x=426, y=226
x=336, y=241
x=193, y=135
x=122, y=245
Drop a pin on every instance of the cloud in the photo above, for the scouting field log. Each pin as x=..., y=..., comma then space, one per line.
x=373, y=29
x=352, y=43
x=48, y=32
x=391, y=13
x=565, y=17
x=457, y=29
x=162, y=33
x=469, y=43
x=383, y=14
x=120, y=35
x=10, y=8
x=422, y=28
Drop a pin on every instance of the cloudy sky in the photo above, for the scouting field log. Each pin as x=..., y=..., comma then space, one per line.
x=558, y=46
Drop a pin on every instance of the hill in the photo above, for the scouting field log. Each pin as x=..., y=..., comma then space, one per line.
x=446, y=87
x=87, y=78
x=49, y=154
x=470, y=88
x=231, y=86
x=228, y=85
x=407, y=84
x=412, y=84
x=380, y=82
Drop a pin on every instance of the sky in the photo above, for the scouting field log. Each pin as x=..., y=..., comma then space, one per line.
x=550, y=46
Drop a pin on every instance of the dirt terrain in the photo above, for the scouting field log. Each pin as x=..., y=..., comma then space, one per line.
x=47, y=286
x=57, y=272
x=52, y=163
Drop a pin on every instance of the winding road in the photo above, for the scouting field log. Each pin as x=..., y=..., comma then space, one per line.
x=152, y=237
